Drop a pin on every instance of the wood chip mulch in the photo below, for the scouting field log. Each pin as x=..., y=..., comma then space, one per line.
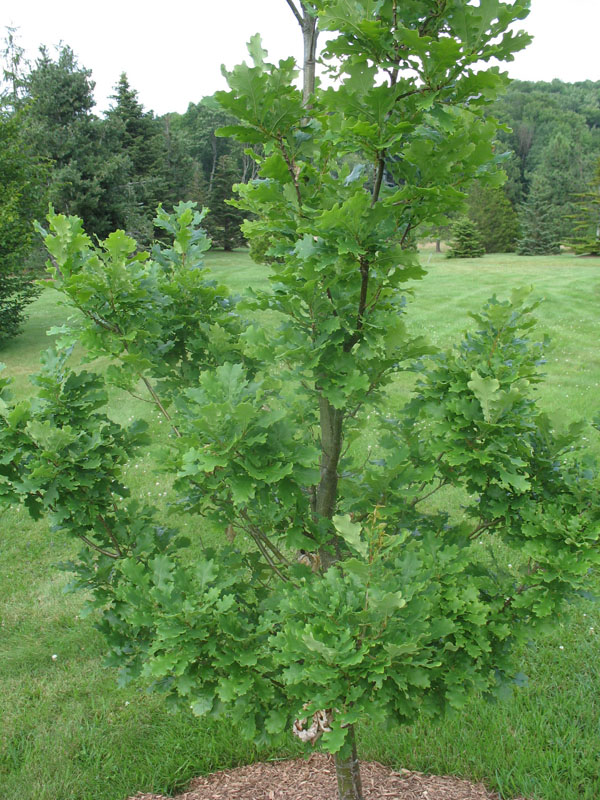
x=314, y=779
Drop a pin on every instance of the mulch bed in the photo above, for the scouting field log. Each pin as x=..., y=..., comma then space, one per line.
x=314, y=779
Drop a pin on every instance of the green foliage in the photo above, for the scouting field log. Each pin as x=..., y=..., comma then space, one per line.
x=495, y=218
x=21, y=177
x=465, y=240
x=586, y=230
x=224, y=220
x=137, y=137
x=62, y=130
x=342, y=590
x=539, y=228
x=553, y=134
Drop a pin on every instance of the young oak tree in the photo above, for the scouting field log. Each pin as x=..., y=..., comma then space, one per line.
x=321, y=585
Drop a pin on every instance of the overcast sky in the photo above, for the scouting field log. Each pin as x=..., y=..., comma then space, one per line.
x=172, y=52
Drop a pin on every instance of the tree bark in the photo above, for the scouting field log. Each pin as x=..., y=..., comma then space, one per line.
x=310, y=34
x=331, y=421
x=347, y=769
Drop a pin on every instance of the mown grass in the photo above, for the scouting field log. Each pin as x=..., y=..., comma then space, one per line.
x=68, y=733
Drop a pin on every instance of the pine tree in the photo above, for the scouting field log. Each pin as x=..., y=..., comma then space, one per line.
x=466, y=240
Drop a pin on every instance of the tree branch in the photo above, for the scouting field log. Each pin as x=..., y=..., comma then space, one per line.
x=113, y=538
x=484, y=526
x=95, y=546
x=295, y=12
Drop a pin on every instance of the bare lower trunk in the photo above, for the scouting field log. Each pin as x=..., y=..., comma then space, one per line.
x=331, y=447
x=347, y=770
x=438, y=245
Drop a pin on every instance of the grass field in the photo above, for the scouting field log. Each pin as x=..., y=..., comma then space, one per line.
x=68, y=733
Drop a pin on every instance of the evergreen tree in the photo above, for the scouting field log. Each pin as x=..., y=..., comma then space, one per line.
x=224, y=220
x=586, y=230
x=496, y=219
x=466, y=240
x=559, y=175
x=538, y=221
x=15, y=67
x=21, y=200
x=62, y=130
x=22, y=179
x=138, y=139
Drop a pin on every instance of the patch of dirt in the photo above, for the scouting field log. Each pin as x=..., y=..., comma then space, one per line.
x=314, y=779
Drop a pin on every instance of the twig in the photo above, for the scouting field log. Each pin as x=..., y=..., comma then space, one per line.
x=111, y=534
x=429, y=494
x=95, y=547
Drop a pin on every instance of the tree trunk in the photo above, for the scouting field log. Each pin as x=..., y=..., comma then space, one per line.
x=347, y=770
x=331, y=447
x=310, y=33
x=438, y=245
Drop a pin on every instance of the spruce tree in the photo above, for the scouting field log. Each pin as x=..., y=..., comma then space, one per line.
x=495, y=217
x=586, y=231
x=539, y=230
x=224, y=220
x=140, y=145
x=466, y=240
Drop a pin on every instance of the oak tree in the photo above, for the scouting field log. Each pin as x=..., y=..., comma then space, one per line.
x=319, y=585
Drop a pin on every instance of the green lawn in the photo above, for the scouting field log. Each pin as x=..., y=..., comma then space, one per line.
x=68, y=733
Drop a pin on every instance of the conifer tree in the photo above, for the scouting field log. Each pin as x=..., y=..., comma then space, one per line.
x=466, y=240
x=586, y=231
x=224, y=220
x=539, y=230
x=496, y=219
x=140, y=144
x=22, y=179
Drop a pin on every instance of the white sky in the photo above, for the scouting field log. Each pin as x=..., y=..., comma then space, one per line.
x=172, y=53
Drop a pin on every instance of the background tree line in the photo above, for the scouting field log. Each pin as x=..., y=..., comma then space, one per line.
x=113, y=169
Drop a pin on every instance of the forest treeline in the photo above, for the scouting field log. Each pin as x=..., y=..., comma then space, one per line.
x=113, y=169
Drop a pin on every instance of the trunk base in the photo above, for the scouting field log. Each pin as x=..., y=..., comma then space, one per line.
x=347, y=770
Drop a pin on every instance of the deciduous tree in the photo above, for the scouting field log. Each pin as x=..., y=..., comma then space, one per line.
x=335, y=592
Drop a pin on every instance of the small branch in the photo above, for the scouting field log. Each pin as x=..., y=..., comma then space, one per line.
x=95, y=546
x=362, y=304
x=267, y=557
x=409, y=228
x=291, y=169
x=379, y=178
x=335, y=314
x=55, y=265
x=521, y=590
x=139, y=397
x=113, y=538
x=295, y=12
x=255, y=531
x=484, y=526
x=158, y=402
x=429, y=494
